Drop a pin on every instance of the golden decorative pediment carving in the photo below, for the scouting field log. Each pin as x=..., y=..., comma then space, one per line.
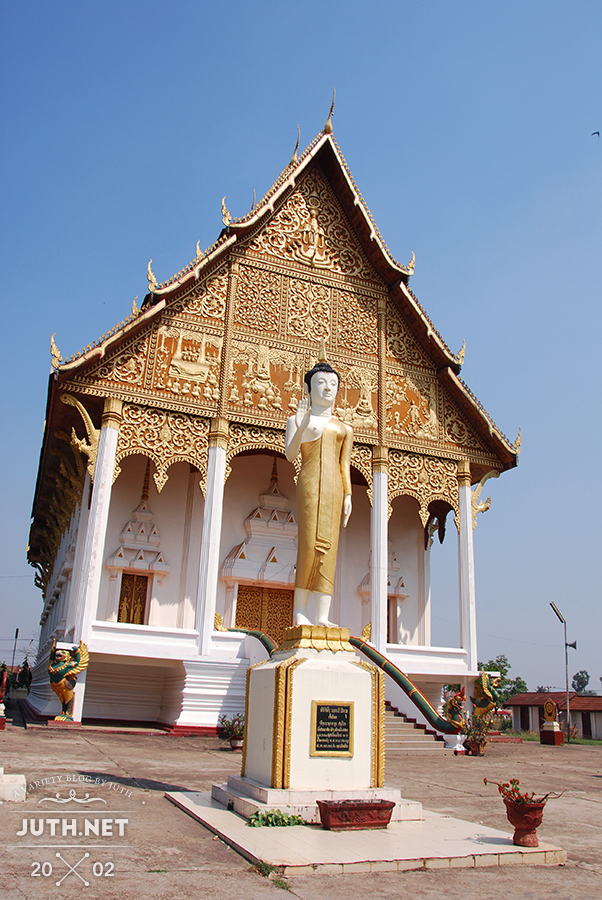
x=165, y=438
x=425, y=478
x=412, y=406
x=311, y=229
x=402, y=347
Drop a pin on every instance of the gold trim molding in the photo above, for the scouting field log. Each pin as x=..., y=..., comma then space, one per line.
x=316, y=637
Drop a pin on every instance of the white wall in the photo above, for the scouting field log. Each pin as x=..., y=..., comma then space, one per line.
x=172, y=602
x=406, y=537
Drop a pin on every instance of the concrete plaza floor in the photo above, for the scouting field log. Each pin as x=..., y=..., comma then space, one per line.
x=152, y=849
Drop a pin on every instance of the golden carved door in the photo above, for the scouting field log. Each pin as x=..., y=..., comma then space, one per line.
x=132, y=599
x=265, y=609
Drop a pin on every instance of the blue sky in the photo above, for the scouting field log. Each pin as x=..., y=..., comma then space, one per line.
x=467, y=127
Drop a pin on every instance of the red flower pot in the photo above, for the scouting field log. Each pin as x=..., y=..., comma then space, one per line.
x=353, y=815
x=526, y=818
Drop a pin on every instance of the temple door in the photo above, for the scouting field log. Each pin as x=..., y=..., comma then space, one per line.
x=264, y=609
x=132, y=599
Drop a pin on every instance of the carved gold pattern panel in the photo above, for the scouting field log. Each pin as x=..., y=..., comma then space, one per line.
x=309, y=310
x=357, y=400
x=187, y=363
x=257, y=304
x=205, y=301
x=312, y=229
x=357, y=323
x=424, y=478
x=164, y=437
x=264, y=609
x=401, y=345
x=124, y=369
x=456, y=430
x=411, y=404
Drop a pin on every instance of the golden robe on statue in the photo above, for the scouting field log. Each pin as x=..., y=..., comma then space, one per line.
x=323, y=482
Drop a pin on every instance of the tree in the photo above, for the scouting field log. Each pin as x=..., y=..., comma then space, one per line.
x=580, y=681
x=508, y=686
x=543, y=688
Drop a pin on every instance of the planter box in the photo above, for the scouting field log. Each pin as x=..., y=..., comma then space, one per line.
x=354, y=815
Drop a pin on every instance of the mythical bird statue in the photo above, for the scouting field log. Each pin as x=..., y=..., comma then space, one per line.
x=487, y=694
x=63, y=668
x=454, y=709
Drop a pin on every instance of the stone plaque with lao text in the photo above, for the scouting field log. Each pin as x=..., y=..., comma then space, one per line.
x=331, y=728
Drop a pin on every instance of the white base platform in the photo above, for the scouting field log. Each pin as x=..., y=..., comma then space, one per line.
x=12, y=787
x=245, y=796
x=437, y=842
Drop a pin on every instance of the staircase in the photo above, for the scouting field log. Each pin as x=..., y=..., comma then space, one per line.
x=404, y=737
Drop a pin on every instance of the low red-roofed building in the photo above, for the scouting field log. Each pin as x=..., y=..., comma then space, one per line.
x=586, y=711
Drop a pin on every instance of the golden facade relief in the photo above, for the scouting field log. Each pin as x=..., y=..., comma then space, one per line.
x=207, y=301
x=412, y=406
x=311, y=229
x=309, y=310
x=425, y=478
x=187, y=363
x=165, y=438
x=258, y=300
x=456, y=430
x=401, y=345
x=357, y=323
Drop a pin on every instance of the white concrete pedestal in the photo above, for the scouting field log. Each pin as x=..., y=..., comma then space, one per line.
x=315, y=730
x=245, y=797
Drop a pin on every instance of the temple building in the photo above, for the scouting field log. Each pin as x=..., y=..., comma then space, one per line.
x=165, y=511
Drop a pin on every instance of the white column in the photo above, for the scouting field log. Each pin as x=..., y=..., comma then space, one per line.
x=76, y=575
x=211, y=535
x=378, y=543
x=93, y=551
x=468, y=612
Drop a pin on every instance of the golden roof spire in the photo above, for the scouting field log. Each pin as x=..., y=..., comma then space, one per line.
x=328, y=126
x=226, y=217
x=294, y=157
x=55, y=354
x=152, y=281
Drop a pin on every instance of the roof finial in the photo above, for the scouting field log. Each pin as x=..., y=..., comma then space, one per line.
x=328, y=126
x=462, y=353
x=294, y=158
x=322, y=351
x=411, y=265
x=146, y=484
x=152, y=281
x=199, y=252
x=135, y=309
x=55, y=354
x=518, y=440
x=226, y=217
x=253, y=204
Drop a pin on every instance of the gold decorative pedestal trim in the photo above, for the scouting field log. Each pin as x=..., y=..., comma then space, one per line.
x=316, y=637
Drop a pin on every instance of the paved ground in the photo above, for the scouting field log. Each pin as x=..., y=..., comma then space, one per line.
x=162, y=854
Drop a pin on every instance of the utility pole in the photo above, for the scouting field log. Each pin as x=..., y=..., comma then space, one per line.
x=566, y=670
x=14, y=651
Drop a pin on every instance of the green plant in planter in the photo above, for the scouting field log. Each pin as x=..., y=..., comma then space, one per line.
x=274, y=818
x=476, y=728
x=233, y=727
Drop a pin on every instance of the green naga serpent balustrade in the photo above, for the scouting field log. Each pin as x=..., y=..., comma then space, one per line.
x=445, y=726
